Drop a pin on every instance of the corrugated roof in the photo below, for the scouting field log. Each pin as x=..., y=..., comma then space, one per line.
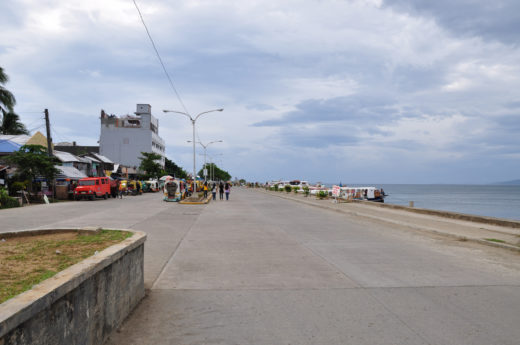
x=69, y=172
x=19, y=139
x=102, y=158
x=66, y=157
x=91, y=159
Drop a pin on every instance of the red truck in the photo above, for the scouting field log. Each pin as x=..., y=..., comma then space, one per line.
x=91, y=187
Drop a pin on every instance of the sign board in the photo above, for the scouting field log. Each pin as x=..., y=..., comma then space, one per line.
x=205, y=172
x=2, y=181
x=335, y=191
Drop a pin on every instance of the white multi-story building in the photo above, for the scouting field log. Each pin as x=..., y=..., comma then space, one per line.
x=123, y=138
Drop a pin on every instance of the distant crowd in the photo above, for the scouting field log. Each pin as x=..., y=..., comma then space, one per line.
x=222, y=187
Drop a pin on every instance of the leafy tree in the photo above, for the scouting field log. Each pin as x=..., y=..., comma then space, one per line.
x=219, y=173
x=7, y=100
x=6, y=201
x=11, y=124
x=149, y=164
x=32, y=161
x=174, y=170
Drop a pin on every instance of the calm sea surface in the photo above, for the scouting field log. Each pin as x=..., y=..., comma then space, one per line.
x=485, y=200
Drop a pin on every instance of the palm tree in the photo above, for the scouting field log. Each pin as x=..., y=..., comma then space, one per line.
x=7, y=100
x=11, y=124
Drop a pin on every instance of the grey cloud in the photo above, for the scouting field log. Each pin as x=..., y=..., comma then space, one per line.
x=513, y=105
x=260, y=107
x=318, y=138
x=12, y=14
x=410, y=79
x=359, y=109
x=492, y=20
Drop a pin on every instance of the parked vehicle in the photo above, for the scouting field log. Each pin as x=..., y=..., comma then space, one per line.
x=123, y=186
x=174, y=190
x=134, y=187
x=152, y=186
x=91, y=187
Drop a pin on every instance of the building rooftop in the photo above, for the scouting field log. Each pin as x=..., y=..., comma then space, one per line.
x=69, y=172
x=66, y=156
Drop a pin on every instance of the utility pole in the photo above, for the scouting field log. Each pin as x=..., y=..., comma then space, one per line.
x=49, y=147
x=49, y=139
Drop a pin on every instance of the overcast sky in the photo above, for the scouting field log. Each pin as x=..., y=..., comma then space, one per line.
x=363, y=91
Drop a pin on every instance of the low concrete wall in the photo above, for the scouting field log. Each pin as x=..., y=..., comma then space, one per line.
x=447, y=214
x=80, y=305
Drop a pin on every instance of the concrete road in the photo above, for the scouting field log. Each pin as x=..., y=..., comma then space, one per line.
x=263, y=270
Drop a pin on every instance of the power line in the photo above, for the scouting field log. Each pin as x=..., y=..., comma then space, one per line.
x=159, y=57
x=59, y=138
x=35, y=122
x=35, y=128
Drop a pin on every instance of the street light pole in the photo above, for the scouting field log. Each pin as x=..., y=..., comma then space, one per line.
x=193, y=120
x=205, y=147
x=212, y=167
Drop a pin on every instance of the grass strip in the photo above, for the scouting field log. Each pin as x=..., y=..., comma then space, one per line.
x=27, y=261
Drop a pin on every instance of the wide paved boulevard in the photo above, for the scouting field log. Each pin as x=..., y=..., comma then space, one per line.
x=259, y=269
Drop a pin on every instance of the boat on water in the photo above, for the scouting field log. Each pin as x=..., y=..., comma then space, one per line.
x=362, y=193
x=368, y=193
x=174, y=190
x=294, y=183
x=298, y=183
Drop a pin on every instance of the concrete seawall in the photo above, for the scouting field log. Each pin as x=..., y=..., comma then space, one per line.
x=447, y=214
x=82, y=304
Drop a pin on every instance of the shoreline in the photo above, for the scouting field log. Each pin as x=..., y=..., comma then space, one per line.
x=487, y=200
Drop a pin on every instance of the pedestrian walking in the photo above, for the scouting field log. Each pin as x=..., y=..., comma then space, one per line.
x=221, y=190
x=227, y=190
x=120, y=187
x=205, y=190
x=214, y=191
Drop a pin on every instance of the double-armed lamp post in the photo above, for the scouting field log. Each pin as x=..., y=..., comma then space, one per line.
x=212, y=166
x=193, y=120
x=205, y=147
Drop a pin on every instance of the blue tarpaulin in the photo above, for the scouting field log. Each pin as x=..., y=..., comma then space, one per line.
x=9, y=146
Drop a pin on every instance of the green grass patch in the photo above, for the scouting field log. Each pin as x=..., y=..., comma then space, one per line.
x=27, y=261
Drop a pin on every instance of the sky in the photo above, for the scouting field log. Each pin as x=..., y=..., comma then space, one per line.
x=361, y=91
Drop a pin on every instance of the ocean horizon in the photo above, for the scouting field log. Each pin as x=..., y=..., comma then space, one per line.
x=491, y=200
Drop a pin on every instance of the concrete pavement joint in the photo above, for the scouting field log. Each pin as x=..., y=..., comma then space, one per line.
x=173, y=253
x=336, y=268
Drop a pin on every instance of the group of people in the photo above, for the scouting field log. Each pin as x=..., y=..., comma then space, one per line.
x=222, y=187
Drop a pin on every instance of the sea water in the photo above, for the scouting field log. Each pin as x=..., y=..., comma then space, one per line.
x=484, y=200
